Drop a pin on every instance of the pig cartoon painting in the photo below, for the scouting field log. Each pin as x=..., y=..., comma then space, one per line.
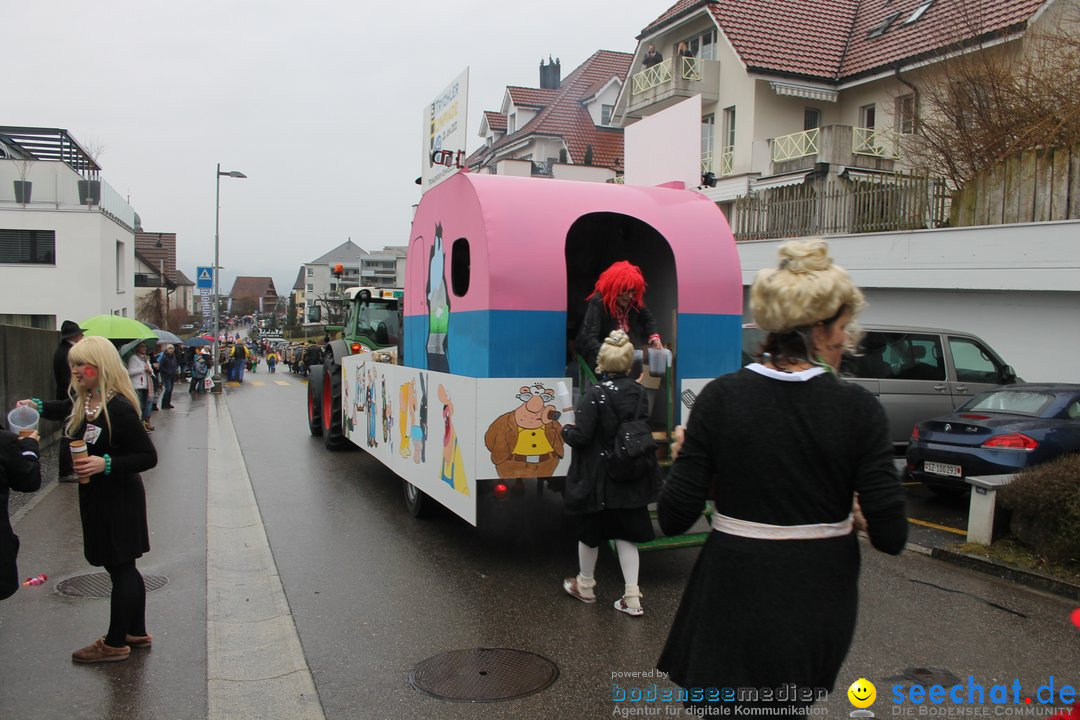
x=453, y=465
x=527, y=441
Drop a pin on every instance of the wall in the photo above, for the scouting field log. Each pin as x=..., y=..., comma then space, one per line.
x=1012, y=285
x=26, y=370
x=82, y=283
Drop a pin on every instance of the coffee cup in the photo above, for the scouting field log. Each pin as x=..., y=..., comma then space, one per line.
x=78, y=452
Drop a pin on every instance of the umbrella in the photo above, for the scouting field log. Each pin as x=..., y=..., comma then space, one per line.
x=129, y=347
x=197, y=342
x=164, y=336
x=208, y=338
x=115, y=327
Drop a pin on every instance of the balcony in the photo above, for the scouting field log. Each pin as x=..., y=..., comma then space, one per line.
x=835, y=144
x=56, y=185
x=671, y=80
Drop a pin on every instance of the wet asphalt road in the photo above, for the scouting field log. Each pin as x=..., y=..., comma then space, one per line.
x=373, y=592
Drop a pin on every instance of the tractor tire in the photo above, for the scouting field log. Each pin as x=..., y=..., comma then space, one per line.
x=333, y=437
x=314, y=404
x=417, y=502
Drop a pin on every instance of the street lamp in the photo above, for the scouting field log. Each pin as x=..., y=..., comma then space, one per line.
x=217, y=268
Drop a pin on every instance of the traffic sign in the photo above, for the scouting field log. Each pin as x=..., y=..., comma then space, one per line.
x=204, y=277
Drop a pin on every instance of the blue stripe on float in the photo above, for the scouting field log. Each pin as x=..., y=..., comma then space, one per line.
x=709, y=345
x=495, y=343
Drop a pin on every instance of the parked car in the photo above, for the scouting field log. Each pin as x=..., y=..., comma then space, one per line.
x=916, y=373
x=998, y=432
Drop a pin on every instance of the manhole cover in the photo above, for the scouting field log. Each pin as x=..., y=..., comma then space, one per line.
x=483, y=675
x=98, y=585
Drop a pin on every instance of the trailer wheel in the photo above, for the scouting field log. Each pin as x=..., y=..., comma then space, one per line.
x=314, y=404
x=417, y=502
x=333, y=437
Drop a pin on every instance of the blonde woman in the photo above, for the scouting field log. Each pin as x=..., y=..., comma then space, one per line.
x=784, y=446
x=102, y=410
x=608, y=508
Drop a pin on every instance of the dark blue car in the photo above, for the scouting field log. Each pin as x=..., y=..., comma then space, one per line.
x=997, y=432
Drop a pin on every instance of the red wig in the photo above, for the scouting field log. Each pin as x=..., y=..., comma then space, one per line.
x=619, y=278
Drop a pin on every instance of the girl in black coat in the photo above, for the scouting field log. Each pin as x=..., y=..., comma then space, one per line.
x=19, y=470
x=102, y=411
x=607, y=510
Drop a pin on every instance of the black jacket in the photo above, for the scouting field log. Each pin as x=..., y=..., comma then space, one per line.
x=19, y=470
x=599, y=323
x=597, y=415
x=61, y=370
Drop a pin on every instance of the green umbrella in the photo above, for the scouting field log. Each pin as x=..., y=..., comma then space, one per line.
x=128, y=348
x=115, y=327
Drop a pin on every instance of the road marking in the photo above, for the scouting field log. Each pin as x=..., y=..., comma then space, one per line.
x=935, y=526
x=282, y=382
x=255, y=663
x=258, y=383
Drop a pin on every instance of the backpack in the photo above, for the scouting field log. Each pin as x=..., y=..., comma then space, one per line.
x=633, y=453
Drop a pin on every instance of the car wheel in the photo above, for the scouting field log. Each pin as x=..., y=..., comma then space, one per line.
x=417, y=502
x=331, y=407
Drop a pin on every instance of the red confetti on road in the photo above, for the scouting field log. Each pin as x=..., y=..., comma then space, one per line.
x=1075, y=617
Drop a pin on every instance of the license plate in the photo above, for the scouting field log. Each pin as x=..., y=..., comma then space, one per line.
x=942, y=469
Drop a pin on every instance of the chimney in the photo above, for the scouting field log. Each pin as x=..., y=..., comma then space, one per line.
x=550, y=74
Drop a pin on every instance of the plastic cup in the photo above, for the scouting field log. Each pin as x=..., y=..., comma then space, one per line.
x=23, y=420
x=78, y=452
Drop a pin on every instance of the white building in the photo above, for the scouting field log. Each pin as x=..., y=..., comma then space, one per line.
x=384, y=269
x=67, y=247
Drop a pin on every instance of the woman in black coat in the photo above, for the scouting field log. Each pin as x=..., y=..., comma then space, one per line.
x=616, y=303
x=606, y=509
x=102, y=410
x=19, y=470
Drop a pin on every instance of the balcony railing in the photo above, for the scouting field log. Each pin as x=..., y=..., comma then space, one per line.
x=706, y=162
x=795, y=145
x=727, y=160
x=690, y=68
x=650, y=77
x=876, y=143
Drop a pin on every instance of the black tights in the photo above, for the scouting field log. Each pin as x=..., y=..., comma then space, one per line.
x=127, y=611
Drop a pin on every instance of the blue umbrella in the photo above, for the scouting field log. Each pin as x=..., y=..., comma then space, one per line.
x=197, y=342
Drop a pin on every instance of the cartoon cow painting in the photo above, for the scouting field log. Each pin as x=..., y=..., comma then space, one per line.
x=527, y=441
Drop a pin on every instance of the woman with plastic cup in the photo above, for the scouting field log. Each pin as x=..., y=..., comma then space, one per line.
x=103, y=410
x=19, y=470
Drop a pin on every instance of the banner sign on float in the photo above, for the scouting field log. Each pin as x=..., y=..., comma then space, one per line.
x=444, y=130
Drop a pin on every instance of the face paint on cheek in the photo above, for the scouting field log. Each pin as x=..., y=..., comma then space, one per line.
x=89, y=373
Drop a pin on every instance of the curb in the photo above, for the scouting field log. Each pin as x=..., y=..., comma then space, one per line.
x=1007, y=572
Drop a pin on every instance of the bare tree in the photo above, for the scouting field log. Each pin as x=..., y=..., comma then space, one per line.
x=993, y=101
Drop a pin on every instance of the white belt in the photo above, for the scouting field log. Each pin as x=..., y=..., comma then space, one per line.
x=761, y=531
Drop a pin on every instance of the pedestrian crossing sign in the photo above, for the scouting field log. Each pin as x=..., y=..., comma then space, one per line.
x=204, y=277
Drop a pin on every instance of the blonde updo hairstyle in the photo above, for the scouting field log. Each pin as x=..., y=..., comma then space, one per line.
x=616, y=354
x=806, y=288
x=113, y=379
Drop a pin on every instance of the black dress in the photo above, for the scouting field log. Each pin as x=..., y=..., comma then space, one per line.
x=19, y=470
x=779, y=451
x=606, y=510
x=113, y=506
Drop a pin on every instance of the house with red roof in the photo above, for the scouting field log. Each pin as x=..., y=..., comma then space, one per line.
x=812, y=91
x=251, y=294
x=562, y=129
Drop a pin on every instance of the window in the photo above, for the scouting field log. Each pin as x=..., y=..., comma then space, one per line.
x=605, y=114
x=811, y=118
x=29, y=247
x=879, y=29
x=905, y=114
x=460, y=267
x=918, y=12
x=729, y=127
x=511, y=123
x=708, y=131
x=120, y=271
x=704, y=45
x=310, y=287
x=867, y=116
x=896, y=356
x=973, y=362
x=310, y=272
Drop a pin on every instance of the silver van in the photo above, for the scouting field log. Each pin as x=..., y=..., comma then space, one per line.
x=916, y=373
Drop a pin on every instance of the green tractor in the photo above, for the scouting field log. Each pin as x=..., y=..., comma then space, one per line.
x=373, y=322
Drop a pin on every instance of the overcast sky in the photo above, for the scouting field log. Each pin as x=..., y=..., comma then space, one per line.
x=318, y=103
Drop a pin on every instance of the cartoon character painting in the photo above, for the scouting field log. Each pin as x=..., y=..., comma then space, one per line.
x=453, y=466
x=372, y=415
x=527, y=441
x=412, y=420
x=387, y=416
x=406, y=416
x=438, y=307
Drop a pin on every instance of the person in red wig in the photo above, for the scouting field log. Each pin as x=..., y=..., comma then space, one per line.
x=617, y=303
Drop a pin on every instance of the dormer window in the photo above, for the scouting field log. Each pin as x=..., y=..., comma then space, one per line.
x=605, y=114
x=918, y=12
x=880, y=29
x=511, y=123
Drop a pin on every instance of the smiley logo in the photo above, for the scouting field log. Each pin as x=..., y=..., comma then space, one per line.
x=862, y=693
